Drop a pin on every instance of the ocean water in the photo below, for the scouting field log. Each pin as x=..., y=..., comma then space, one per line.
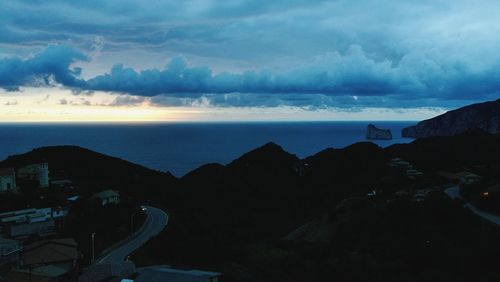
x=181, y=147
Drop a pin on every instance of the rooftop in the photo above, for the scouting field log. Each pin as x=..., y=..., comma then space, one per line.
x=466, y=174
x=106, y=194
x=6, y=171
x=7, y=241
x=159, y=273
x=56, y=250
x=17, y=212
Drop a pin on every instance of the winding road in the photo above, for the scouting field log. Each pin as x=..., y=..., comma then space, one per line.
x=454, y=192
x=155, y=222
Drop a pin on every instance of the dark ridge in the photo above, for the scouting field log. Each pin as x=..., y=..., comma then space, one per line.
x=468, y=148
x=204, y=174
x=96, y=171
x=264, y=157
x=484, y=116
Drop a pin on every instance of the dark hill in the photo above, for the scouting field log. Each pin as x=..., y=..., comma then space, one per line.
x=94, y=171
x=256, y=194
x=471, y=148
x=351, y=171
x=234, y=217
x=267, y=155
x=204, y=175
x=484, y=116
x=264, y=165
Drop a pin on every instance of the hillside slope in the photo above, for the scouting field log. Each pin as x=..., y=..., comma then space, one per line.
x=484, y=116
x=94, y=171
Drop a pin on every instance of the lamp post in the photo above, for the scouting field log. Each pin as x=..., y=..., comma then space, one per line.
x=93, y=247
x=132, y=219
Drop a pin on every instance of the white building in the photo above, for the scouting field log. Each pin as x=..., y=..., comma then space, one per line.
x=7, y=180
x=26, y=222
x=39, y=171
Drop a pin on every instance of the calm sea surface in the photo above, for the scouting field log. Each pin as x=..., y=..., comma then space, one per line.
x=180, y=148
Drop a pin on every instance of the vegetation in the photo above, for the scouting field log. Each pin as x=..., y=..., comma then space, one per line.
x=239, y=219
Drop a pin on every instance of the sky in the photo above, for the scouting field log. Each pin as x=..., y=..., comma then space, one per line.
x=241, y=60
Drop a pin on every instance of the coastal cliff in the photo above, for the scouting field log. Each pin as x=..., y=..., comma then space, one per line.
x=483, y=116
x=374, y=133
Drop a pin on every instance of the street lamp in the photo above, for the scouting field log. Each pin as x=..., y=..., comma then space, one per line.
x=132, y=219
x=93, y=249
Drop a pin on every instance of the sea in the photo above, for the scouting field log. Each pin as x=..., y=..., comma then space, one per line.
x=182, y=147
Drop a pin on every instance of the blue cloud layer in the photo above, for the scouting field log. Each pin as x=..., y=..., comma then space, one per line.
x=354, y=73
x=51, y=65
x=311, y=53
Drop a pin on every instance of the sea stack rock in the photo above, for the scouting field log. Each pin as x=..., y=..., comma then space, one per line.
x=374, y=133
x=483, y=116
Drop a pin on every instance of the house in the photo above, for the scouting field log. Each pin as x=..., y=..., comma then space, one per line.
x=421, y=194
x=62, y=253
x=413, y=173
x=47, y=273
x=10, y=251
x=62, y=183
x=73, y=199
x=107, y=197
x=466, y=177
x=107, y=271
x=49, y=260
x=399, y=163
x=25, y=230
x=36, y=172
x=27, y=222
x=7, y=180
x=402, y=194
x=166, y=273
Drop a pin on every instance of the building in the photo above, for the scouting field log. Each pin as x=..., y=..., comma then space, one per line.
x=49, y=260
x=413, y=173
x=107, y=271
x=26, y=230
x=62, y=253
x=46, y=273
x=166, y=273
x=7, y=180
x=466, y=177
x=463, y=177
x=62, y=183
x=399, y=163
x=36, y=172
x=10, y=251
x=421, y=194
x=28, y=222
x=107, y=197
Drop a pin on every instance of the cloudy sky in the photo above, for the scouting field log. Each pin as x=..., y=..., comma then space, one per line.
x=207, y=60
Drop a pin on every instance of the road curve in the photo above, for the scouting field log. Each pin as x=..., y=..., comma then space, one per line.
x=454, y=192
x=155, y=222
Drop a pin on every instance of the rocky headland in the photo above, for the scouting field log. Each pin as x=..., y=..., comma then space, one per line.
x=482, y=116
x=374, y=133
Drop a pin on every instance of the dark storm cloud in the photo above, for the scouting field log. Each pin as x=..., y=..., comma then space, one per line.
x=353, y=75
x=51, y=65
x=241, y=53
x=332, y=75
